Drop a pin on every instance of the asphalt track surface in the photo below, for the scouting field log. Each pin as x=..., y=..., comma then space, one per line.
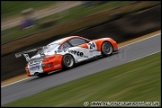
x=34, y=85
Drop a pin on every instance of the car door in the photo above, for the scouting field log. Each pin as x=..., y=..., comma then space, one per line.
x=81, y=49
x=93, y=48
x=63, y=49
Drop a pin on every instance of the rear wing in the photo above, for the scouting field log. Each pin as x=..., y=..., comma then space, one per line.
x=25, y=53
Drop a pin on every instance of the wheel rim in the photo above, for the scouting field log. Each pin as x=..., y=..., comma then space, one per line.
x=107, y=48
x=68, y=61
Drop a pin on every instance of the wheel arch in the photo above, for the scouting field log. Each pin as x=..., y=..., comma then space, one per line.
x=63, y=66
x=71, y=55
x=108, y=42
x=101, y=41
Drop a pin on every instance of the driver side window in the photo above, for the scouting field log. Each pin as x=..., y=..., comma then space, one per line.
x=64, y=46
x=77, y=41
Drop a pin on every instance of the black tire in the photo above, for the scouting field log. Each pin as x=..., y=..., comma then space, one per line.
x=68, y=61
x=106, y=48
x=42, y=74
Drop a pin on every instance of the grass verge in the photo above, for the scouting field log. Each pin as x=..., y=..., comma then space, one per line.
x=135, y=81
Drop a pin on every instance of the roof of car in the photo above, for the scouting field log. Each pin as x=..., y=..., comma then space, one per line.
x=62, y=40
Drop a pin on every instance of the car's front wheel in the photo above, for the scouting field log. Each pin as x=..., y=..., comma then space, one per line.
x=106, y=48
x=68, y=61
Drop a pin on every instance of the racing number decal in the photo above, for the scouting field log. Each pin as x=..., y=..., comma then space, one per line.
x=92, y=46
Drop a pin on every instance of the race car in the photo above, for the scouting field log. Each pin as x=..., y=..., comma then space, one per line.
x=65, y=53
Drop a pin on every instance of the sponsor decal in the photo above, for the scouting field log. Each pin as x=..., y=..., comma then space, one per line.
x=78, y=53
x=74, y=52
x=60, y=51
x=57, y=65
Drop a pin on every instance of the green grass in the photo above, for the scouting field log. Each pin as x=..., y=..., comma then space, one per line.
x=11, y=8
x=66, y=16
x=135, y=81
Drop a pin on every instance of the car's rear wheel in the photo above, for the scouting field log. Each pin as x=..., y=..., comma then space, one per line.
x=41, y=74
x=106, y=48
x=68, y=61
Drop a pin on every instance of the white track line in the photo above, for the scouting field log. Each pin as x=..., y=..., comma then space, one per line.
x=14, y=82
x=141, y=40
x=119, y=47
x=143, y=57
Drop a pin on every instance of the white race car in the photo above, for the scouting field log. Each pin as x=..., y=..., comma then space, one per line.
x=65, y=53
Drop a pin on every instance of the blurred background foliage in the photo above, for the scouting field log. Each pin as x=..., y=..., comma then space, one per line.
x=12, y=8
